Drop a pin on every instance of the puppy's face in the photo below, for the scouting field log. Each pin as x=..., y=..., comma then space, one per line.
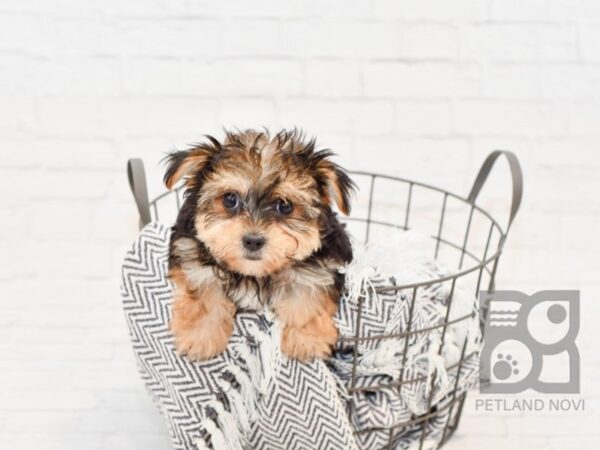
x=258, y=202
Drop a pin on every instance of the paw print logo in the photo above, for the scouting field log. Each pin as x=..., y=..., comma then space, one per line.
x=505, y=367
x=510, y=362
x=521, y=333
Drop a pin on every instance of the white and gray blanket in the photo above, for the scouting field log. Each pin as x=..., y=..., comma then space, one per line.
x=253, y=397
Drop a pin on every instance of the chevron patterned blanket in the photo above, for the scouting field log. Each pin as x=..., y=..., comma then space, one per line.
x=253, y=397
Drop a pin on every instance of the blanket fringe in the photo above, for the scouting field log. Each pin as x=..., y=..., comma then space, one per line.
x=200, y=444
x=247, y=392
x=270, y=354
x=236, y=404
x=216, y=435
x=230, y=428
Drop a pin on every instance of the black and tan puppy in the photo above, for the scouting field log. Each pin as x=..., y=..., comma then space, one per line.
x=256, y=227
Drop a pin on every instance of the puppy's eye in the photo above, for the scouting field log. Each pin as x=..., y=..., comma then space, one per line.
x=283, y=207
x=231, y=200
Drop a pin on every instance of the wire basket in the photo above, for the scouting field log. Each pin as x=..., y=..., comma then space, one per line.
x=464, y=237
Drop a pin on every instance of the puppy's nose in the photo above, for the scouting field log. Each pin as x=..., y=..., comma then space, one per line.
x=253, y=242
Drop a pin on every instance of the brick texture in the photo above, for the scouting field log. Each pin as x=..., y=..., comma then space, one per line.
x=422, y=89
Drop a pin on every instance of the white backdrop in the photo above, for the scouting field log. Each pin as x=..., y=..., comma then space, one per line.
x=423, y=89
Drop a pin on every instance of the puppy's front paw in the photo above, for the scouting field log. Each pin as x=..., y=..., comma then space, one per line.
x=314, y=340
x=204, y=342
x=303, y=347
x=202, y=325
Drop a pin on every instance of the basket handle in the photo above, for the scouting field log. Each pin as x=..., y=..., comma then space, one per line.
x=137, y=182
x=517, y=180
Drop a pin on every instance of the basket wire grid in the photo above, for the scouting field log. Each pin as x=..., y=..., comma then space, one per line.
x=484, y=255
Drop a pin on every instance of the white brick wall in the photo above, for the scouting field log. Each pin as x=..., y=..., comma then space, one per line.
x=419, y=88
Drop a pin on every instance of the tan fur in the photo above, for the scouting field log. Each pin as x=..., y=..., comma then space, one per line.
x=309, y=330
x=284, y=244
x=334, y=189
x=202, y=320
x=192, y=162
x=304, y=304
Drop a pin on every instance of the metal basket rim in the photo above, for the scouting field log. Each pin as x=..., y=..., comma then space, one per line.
x=481, y=265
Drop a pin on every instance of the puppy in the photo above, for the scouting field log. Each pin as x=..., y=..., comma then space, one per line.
x=256, y=227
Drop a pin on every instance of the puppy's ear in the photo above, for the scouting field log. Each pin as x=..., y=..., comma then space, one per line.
x=339, y=185
x=186, y=162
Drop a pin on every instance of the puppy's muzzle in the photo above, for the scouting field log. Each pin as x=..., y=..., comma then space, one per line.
x=253, y=243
